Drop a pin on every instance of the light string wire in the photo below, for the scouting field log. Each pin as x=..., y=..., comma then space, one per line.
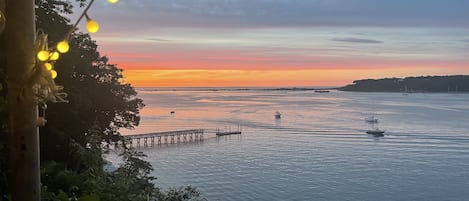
x=41, y=79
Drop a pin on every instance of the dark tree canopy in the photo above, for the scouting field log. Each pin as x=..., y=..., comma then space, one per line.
x=100, y=104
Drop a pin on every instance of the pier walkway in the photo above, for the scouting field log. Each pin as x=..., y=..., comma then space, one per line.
x=169, y=137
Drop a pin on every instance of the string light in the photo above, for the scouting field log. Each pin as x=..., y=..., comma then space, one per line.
x=63, y=46
x=48, y=66
x=53, y=74
x=43, y=55
x=91, y=25
x=54, y=56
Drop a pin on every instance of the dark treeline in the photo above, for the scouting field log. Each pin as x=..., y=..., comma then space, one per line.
x=100, y=104
x=455, y=83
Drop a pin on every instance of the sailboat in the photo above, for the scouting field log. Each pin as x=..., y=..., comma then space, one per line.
x=375, y=131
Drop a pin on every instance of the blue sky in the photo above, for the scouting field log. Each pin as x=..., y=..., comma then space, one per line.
x=288, y=13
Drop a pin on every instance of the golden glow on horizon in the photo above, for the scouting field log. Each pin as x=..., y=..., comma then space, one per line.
x=266, y=78
x=185, y=70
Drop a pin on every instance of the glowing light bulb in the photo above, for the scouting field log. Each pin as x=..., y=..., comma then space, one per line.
x=48, y=66
x=63, y=46
x=112, y=1
x=43, y=55
x=92, y=26
x=54, y=56
x=53, y=74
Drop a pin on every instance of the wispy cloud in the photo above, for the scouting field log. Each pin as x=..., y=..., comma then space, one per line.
x=158, y=39
x=357, y=40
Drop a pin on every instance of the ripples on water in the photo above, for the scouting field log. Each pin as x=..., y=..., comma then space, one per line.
x=318, y=150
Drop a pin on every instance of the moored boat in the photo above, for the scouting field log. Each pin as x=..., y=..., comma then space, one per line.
x=278, y=115
x=375, y=132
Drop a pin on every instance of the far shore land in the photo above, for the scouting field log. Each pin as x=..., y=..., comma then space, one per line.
x=423, y=84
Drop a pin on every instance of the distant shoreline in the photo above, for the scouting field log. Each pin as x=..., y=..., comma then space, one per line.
x=423, y=84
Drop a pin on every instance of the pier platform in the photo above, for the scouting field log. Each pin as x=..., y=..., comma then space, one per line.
x=220, y=133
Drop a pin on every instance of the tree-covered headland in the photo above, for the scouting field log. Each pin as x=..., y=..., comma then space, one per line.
x=454, y=83
x=99, y=104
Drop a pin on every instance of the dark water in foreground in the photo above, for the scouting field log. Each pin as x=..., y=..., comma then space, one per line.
x=318, y=150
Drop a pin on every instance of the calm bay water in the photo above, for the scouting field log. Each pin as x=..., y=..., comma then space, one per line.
x=318, y=150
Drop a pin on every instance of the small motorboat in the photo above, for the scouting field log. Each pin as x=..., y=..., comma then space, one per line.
x=278, y=115
x=375, y=132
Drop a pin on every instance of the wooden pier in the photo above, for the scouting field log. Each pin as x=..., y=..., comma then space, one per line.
x=169, y=137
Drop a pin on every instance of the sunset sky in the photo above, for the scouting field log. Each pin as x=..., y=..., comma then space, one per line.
x=281, y=42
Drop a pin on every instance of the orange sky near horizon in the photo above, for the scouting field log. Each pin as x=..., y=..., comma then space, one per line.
x=259, y=78
x=210, y=68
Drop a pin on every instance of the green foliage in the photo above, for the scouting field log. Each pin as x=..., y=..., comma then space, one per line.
x=131, y=181
x=133, y=177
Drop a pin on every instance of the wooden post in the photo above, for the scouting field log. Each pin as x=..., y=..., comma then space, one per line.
x=23, y=131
